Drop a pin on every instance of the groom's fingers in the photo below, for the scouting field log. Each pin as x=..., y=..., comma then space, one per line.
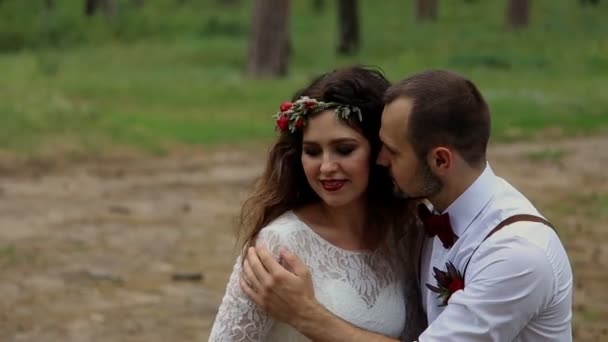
x=269, y=262
x=259, y=271
x=293, y=263
x=251, y=293
x=250, y=277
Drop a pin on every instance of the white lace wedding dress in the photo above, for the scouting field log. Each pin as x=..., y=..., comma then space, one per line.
x=363, y=288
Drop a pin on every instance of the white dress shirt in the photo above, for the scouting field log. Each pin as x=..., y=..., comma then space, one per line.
x=518, y=285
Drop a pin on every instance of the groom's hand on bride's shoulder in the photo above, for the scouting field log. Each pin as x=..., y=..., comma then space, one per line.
x=286, y=292
x=288, y=296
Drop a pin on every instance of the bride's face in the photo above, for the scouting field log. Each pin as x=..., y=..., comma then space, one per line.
x=336, y=159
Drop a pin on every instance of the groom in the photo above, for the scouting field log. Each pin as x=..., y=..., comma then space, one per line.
x=507, y=276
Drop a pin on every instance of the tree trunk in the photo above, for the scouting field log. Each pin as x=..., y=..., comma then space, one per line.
x=591, y=2
x=90, y=7
x=318, y=5
x=518, y=14
x=269, y=39
x=426, y=10
x=348, y=19
x=228, y=2
x=49, y=5
x=108, y=7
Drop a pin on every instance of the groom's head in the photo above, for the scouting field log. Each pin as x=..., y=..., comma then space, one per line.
x=435, y=130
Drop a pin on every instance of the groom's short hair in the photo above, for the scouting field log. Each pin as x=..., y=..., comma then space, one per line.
x=448, y=109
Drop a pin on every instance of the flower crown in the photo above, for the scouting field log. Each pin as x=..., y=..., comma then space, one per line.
x=292, y=115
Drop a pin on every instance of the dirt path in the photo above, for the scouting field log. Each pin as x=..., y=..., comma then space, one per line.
x=88, y=251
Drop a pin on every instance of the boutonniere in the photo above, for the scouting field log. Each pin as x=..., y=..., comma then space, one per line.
x=448, y=282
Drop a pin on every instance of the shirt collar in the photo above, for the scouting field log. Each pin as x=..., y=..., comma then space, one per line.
x=471, y=202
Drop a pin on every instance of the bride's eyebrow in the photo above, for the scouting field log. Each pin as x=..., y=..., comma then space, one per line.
x=344, y=140
x=333, y=141
x=309, y=142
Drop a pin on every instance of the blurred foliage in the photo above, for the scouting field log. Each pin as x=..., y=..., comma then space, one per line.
x=172, y=71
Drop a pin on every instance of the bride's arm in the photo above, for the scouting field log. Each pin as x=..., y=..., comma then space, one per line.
x=289, y=297
x=239, y=319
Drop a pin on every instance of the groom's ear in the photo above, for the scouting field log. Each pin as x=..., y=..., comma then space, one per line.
x=440, y=160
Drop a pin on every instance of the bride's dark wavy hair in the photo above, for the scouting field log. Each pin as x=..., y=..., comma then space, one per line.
x=283, y=185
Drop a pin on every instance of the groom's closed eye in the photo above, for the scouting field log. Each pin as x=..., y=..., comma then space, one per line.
x=391, y=150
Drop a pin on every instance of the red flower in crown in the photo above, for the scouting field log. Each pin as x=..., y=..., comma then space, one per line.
x=299, y=123
x=285, y=106
x=448, y=282
x=283, y=123
x=292, y=116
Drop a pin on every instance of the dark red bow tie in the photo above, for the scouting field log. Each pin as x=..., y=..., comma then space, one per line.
x=437, y=225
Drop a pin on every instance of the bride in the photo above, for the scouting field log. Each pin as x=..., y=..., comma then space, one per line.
x=323, y=197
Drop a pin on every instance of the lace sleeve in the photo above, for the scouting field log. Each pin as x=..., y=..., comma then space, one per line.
x=238, y=318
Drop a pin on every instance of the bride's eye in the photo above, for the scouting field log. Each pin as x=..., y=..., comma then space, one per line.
x=311, y=151
x=345, y=150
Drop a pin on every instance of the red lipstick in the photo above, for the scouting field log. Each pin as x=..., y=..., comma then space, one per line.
x=332, y=184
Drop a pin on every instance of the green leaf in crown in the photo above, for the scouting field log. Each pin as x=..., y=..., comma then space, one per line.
x=293, y=116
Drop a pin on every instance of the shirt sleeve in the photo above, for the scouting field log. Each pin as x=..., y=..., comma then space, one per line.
x=508, y=282
x=238, y=318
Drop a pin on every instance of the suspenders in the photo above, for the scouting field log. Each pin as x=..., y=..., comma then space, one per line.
x=501, y=225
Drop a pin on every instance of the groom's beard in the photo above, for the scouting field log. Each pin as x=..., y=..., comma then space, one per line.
x=430, y=184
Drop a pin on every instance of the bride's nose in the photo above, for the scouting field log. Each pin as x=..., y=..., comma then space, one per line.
x=328, y=165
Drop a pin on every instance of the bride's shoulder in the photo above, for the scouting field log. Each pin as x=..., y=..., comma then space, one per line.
x=284, y=225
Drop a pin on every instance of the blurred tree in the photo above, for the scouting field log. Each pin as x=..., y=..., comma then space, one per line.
x=318, y=5
x=348, y=19
x=137, y=3
x=229, y=2
x=426, y=10
x=517, y=14
x=49, y=4
x=269, y=39
x=108, y=7
x=592, y=2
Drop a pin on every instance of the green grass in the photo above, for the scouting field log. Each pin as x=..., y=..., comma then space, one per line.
x=552, y=155
x=169, y=74
x=592, y=205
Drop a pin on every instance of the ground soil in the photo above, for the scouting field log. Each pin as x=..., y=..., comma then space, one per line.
x=138, y=248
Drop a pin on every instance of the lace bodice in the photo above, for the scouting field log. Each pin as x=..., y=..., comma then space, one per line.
x=364, y=288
